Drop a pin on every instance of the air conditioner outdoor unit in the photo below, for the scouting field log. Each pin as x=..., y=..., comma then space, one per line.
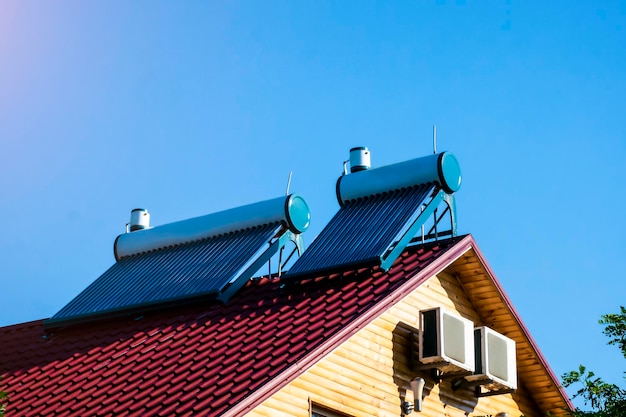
x=495, y=360
x=446, y=340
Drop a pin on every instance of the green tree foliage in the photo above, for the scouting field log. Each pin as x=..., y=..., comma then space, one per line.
x=606, y=400
x=3, y=397
x=615, y=328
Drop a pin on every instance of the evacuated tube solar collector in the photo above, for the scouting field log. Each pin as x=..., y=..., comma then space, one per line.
x=204, y=258
x=382, y=210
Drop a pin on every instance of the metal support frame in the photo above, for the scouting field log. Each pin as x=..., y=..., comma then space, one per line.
x=464, y=383
x=478, y=384
x=433, y=232
x=481, y=393
x=437, y=374
x=451, y=202
x=391, y=254
x=298, y=247
x=242, y=277
x=409, y=235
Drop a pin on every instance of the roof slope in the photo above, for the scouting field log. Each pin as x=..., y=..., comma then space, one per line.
x=194, y=360
x=216, y=359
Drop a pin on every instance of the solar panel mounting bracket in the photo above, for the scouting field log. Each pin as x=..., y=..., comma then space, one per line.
x=451, y=203
x=392, y=253
x=274, y=245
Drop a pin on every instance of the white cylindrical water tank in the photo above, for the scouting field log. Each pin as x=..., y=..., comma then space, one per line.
x=442, y=168
x=139, y=219
x=292, y=211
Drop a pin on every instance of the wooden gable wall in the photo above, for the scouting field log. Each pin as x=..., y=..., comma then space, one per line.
x=368, y=375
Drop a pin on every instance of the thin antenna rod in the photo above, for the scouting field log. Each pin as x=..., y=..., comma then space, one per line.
x=289, y=182
x=434, y=138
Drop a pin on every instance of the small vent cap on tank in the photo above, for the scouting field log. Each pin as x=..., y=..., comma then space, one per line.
x=139, y=219
x=359, y=159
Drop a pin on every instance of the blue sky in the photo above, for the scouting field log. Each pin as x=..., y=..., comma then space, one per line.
x=187, y=108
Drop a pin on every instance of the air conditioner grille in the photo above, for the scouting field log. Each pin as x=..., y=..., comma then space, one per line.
x=498, y=356
x=454, y=338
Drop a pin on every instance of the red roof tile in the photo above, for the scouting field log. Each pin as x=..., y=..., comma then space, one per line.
x=209, y=360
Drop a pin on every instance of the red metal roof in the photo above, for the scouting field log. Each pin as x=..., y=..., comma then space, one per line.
x=216, y=359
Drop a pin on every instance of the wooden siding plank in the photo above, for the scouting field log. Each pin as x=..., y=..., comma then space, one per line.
x=352, y=401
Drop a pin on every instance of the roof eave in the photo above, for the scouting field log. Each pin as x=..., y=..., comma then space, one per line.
x=519, y=321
